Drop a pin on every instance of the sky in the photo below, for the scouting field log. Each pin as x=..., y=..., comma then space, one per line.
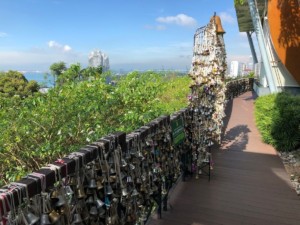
x=135, y=34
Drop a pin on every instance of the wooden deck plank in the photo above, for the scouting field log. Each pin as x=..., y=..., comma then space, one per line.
x=249, y=184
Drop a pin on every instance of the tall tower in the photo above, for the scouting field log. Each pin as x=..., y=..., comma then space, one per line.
x=207, y=88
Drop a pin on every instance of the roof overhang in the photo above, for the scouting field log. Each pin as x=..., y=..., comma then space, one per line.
x=244, y=16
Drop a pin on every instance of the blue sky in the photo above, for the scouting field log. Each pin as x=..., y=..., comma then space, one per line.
x=135, y=34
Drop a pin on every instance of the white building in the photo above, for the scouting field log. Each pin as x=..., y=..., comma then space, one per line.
x=97, y=58
x=235, y=69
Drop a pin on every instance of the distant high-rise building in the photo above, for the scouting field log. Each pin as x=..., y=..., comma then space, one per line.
x=234, y=69
x=97, y=58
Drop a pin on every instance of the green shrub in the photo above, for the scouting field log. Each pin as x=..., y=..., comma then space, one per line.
x=278, y=120
x=41, y=128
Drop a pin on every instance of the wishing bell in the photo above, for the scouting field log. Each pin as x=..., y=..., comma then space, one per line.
x=72, y=181
x=45, y=219
x=54, y=195
x=31, y=218
x=80, y=193
x=134, y=192
x=92, y=184
x=77, y=218
x=219, y=27
x=93, y=211
x=108, y=190
x=98, y=203
x=54, y=216
x=90, y=200
x=61, y=201
x=99, y=184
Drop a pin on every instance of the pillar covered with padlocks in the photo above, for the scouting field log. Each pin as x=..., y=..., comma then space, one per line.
x=207, y=91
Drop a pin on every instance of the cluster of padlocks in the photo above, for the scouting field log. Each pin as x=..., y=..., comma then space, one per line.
x=207, y=97
x=237, y=87
x=118, y=179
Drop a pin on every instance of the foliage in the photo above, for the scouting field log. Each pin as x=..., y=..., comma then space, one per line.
x=58, y=68
x=14, y=83
x=42, y=128
x=76, y=74
x=239, y=2
x=278, y=119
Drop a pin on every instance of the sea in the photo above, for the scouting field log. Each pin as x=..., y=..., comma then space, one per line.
x=46, y=80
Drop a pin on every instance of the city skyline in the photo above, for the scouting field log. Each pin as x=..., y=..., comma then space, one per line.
x=138, y=35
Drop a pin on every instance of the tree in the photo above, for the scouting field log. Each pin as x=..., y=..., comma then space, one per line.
x=57, y=69
x=72, y=74
x=14, y=83
x=91, y=72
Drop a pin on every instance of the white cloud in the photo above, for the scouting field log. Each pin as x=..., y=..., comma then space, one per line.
x=180, y=19
x=3, y=34
x=67, y=48
x=155, y=27
x=37, y=59
x=227, y=18
x=58, y=46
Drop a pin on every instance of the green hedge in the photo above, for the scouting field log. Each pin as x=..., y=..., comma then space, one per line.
x=278, y=120
x=41, y=128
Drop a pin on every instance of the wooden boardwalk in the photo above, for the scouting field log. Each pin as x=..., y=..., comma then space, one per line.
x=249, y=184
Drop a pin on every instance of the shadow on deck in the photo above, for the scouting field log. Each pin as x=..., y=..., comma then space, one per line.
x=249, y=184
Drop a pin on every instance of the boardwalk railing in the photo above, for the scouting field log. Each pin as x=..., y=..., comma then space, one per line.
x=118, y=179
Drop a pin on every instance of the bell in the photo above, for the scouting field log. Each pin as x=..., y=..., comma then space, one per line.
x=108, y=190
x=54, y=216
x=72, y=181
x=90, y=200
x=61, y=201
x=99, y=203
x=54, y=195
x=99, y=184
x=112, y=179
x=134, y=192
x=92, y=184
x=80, y=193
x=107, y=201
x=124, y=191
x=77, y=218
x=45, y=219
x=89, y=191
x=31, y=218
x=93, y=211
x=219, y=27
